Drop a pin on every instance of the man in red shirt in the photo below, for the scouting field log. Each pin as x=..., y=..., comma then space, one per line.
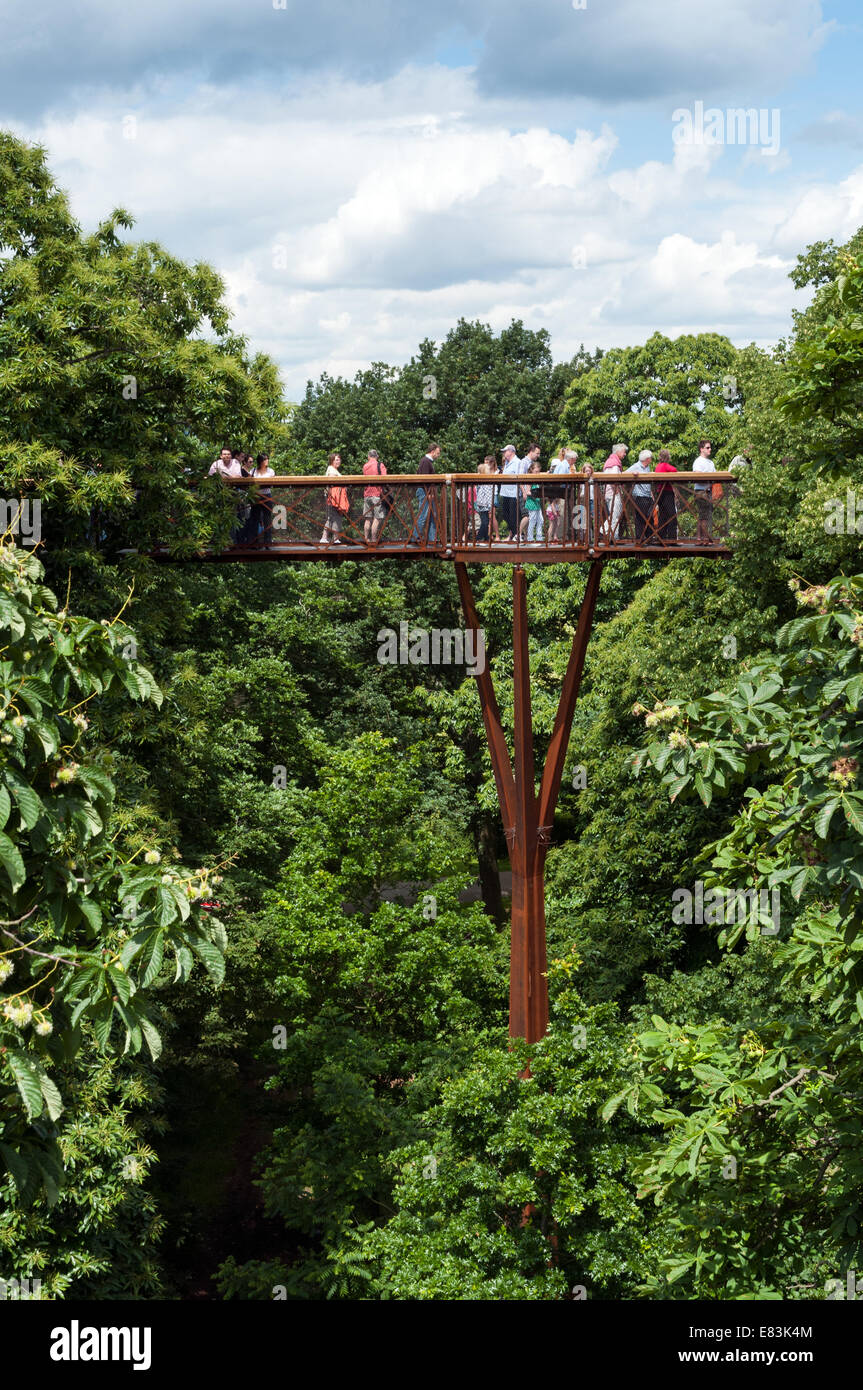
x=374, y=507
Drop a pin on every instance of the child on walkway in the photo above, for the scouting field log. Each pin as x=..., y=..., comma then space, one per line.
x=531, y=523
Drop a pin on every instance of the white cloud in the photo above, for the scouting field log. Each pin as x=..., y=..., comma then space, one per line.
x=627, y=50
x=822, y=211
x=704, y=281
x=346, y=235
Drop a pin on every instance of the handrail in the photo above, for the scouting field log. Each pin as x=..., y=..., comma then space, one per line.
x=537, y=516
x=448, y=479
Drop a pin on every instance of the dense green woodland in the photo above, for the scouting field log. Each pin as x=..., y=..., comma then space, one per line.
x=307, y=1090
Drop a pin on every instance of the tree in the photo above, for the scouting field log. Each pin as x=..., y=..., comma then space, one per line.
x=825, y=365
x=84, y=930
x=377, y=1000
x=668, y=393
x=760, y=1171
x=471, y=395
x=118, y=374
x=515, y=1191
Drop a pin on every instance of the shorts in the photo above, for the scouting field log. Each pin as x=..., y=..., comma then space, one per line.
x=704, y=502
x=374, y=507
x=334, y=518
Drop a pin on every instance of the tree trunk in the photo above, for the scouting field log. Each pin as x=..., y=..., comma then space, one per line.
x=489, y=874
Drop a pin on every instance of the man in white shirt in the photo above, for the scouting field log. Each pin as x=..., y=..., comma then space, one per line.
x=510, y=493
x=642, y=499
x=704, y=492
x=226, y=466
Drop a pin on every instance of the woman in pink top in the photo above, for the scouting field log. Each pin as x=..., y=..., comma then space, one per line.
x=613, y=499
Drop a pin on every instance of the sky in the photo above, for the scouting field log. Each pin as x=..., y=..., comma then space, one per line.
x=363, y=175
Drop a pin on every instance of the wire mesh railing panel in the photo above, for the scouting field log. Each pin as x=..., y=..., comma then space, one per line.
x=539, y=514
x=310, y=513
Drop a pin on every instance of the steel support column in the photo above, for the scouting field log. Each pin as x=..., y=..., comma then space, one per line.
x=527, y=818
x=528, y=987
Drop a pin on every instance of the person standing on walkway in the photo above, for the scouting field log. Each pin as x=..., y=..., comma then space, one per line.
x=704, y=492
x=556, y=492
x=530, y=528
x=509, y=505
x=485, y=497
x=666, y=505
x=570, y=498
x=642, y=499
x=426, y=521
x=374, y=507
x=583, y=528
x=225, y=466
x=260, y=521
x=336, y=502
x=613, y=499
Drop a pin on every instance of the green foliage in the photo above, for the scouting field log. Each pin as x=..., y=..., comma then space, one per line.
x=778, y=1099
x=824, y=367
x=516, y=1191
x=118, y=370
x=470, y=395
x=355, y=1058
x=100, y=1237
x=666, y=394
x=84, y=930
x=375, y=998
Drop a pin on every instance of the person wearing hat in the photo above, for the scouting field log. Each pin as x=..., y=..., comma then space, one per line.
x=510, y=493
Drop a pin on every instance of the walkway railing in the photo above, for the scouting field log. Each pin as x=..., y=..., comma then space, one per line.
x=469, y=516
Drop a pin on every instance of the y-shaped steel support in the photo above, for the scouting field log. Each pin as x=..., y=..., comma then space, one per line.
x=528, y=817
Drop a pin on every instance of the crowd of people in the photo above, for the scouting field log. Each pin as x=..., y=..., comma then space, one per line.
x=540, y=513
x=509, y=505
x=254, y=519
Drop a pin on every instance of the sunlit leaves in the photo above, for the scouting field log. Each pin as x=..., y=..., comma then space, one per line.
x=67, y=898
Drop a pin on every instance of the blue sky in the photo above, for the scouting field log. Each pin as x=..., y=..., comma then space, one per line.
x=364, y=175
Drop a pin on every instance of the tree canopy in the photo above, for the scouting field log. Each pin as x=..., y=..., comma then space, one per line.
x=253, y=940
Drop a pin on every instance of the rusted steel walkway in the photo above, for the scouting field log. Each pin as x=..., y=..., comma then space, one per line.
x=410, y=516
